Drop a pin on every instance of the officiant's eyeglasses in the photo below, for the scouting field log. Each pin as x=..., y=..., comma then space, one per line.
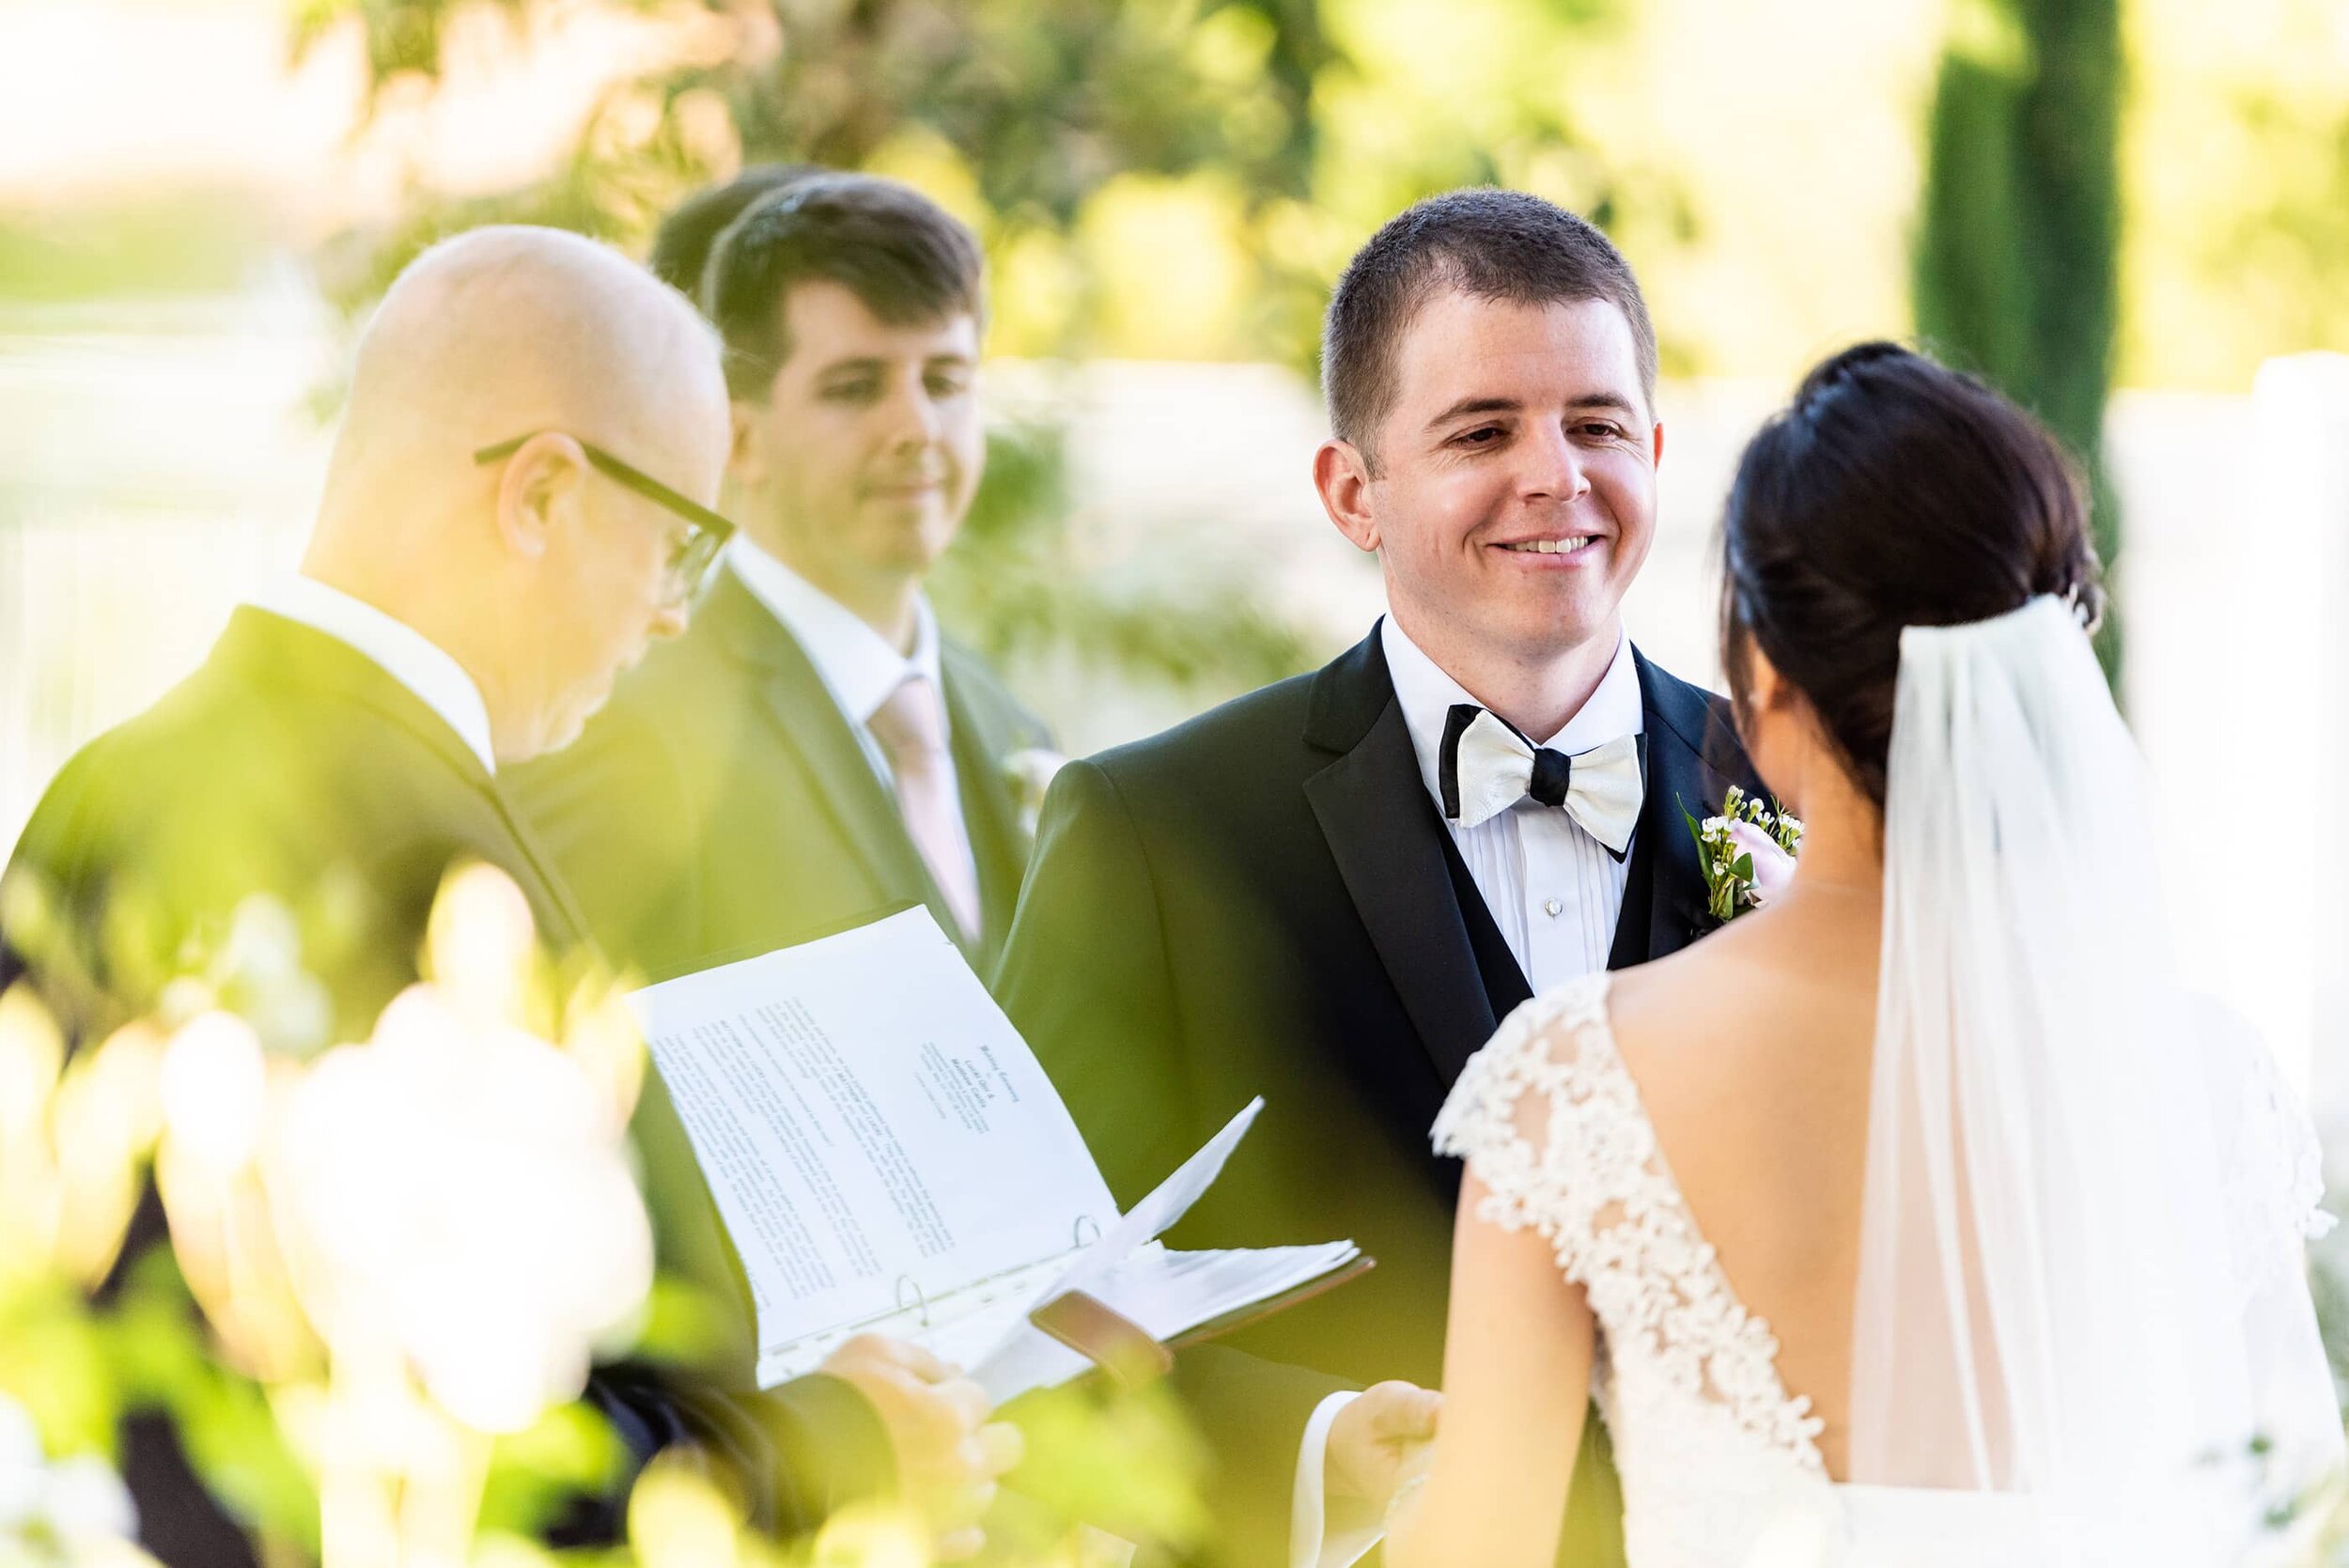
x=690, y=561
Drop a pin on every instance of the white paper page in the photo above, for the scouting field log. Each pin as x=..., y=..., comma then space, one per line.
x=1157, y=1214
x=1164, y=1294
x=873, y=1131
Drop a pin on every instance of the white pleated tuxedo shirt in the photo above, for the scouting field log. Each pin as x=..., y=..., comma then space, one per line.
x=1553, y=890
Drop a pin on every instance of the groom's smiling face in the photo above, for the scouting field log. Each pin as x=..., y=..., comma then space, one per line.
x=1511, y=492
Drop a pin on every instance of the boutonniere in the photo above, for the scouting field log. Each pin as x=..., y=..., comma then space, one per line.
x=1030, y=773
x=1746, y=853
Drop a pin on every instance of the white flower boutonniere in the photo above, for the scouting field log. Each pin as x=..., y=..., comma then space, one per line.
x=1030, y=773
x=1746, y=853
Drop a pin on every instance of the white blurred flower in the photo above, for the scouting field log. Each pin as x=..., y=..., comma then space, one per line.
x=88, y=1502
x=261, y=959
x=22, y=1478
x=59, y=1510
x=215, y=1090
x=479, y=942
x=459, y=1190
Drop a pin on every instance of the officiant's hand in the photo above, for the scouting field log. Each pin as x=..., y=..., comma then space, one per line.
x=949, y=1454
x=1375, y=1438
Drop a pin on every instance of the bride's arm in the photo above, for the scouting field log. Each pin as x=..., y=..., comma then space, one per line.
x=1517, y=1379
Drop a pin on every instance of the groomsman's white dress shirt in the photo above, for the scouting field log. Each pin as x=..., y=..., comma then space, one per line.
x=405, y=653
x=859, y=668
x=1553, y=891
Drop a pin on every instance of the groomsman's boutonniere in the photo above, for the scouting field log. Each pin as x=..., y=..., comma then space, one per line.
x=1747, y=853
x=1030, y=773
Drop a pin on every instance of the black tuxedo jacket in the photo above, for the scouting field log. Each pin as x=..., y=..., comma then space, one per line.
x=289, y=764
x=721, y=806
x=1265, y=901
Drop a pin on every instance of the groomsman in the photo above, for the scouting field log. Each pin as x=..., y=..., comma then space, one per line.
x=788, y=766
x=814, y=752
x=517, y=502
x=1331, y=890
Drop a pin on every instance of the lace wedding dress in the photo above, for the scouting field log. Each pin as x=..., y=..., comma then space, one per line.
x=1717, y=1459
x=2083, y=1334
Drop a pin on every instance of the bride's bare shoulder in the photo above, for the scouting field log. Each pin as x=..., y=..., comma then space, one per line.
x=1737, y=997
x=1693, y=982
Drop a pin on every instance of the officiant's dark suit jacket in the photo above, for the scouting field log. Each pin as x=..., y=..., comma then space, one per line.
x=291, y=765
x=1264, y=901
x=721, y=806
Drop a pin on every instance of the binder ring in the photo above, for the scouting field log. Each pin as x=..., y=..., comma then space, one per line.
x=1077, y=1232
x=920, y=1303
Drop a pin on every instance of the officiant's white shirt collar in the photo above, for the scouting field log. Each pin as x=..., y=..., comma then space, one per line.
x=1427, y=694
x=405, y=653
x=857, y=664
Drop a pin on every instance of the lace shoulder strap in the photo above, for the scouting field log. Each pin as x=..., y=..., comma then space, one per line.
x=1551, y=1121
x=1546, y=1070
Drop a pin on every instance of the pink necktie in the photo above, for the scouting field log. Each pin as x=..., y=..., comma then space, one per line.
x=912, y=728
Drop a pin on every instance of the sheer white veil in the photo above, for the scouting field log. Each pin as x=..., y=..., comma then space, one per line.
x=2081, y=1273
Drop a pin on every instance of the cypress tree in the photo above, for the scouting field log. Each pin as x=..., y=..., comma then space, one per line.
x=2016, y=259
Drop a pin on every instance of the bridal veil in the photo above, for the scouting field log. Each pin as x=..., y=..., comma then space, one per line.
x=2081, y=1264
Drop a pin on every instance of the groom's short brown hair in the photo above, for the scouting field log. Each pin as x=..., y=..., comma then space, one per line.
x=1489, y=243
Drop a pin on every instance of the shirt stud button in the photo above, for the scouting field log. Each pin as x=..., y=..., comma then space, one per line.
x=1553, y=908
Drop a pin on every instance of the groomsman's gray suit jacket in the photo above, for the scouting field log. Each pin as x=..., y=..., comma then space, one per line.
x=719, y=806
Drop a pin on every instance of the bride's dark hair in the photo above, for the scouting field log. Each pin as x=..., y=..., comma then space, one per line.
x=1892, y=492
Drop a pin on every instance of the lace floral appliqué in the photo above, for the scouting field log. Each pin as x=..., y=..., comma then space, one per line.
x=1551, y=1121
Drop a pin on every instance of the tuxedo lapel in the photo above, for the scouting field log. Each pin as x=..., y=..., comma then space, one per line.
x=1663, y=904
x=817, y=738
x=1384, y=834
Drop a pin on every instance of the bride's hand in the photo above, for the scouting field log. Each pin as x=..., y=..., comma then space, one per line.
x=1377, y=1438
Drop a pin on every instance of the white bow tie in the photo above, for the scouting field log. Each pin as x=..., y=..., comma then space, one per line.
x=1487, y=768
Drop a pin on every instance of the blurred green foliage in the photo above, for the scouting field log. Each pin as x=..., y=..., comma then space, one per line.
x=2016, y=268
x=1165, y=177
x=1261, y=138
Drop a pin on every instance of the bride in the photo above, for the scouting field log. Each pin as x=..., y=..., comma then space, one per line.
x=1919, y=1217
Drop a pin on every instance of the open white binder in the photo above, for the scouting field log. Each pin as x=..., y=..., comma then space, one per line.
x=889, y=1158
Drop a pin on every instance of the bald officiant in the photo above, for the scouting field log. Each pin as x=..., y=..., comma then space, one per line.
x=518, y=502
x=814, y=753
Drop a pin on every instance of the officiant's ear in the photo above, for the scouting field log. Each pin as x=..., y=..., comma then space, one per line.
x=538, y=492
x=1342, y=474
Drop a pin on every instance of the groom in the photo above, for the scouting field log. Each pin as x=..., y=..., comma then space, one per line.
x=1331, y=890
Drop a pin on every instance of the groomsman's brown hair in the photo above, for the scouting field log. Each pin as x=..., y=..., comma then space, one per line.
x=681, y=246
x=1489, y=244
x=900, y=253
